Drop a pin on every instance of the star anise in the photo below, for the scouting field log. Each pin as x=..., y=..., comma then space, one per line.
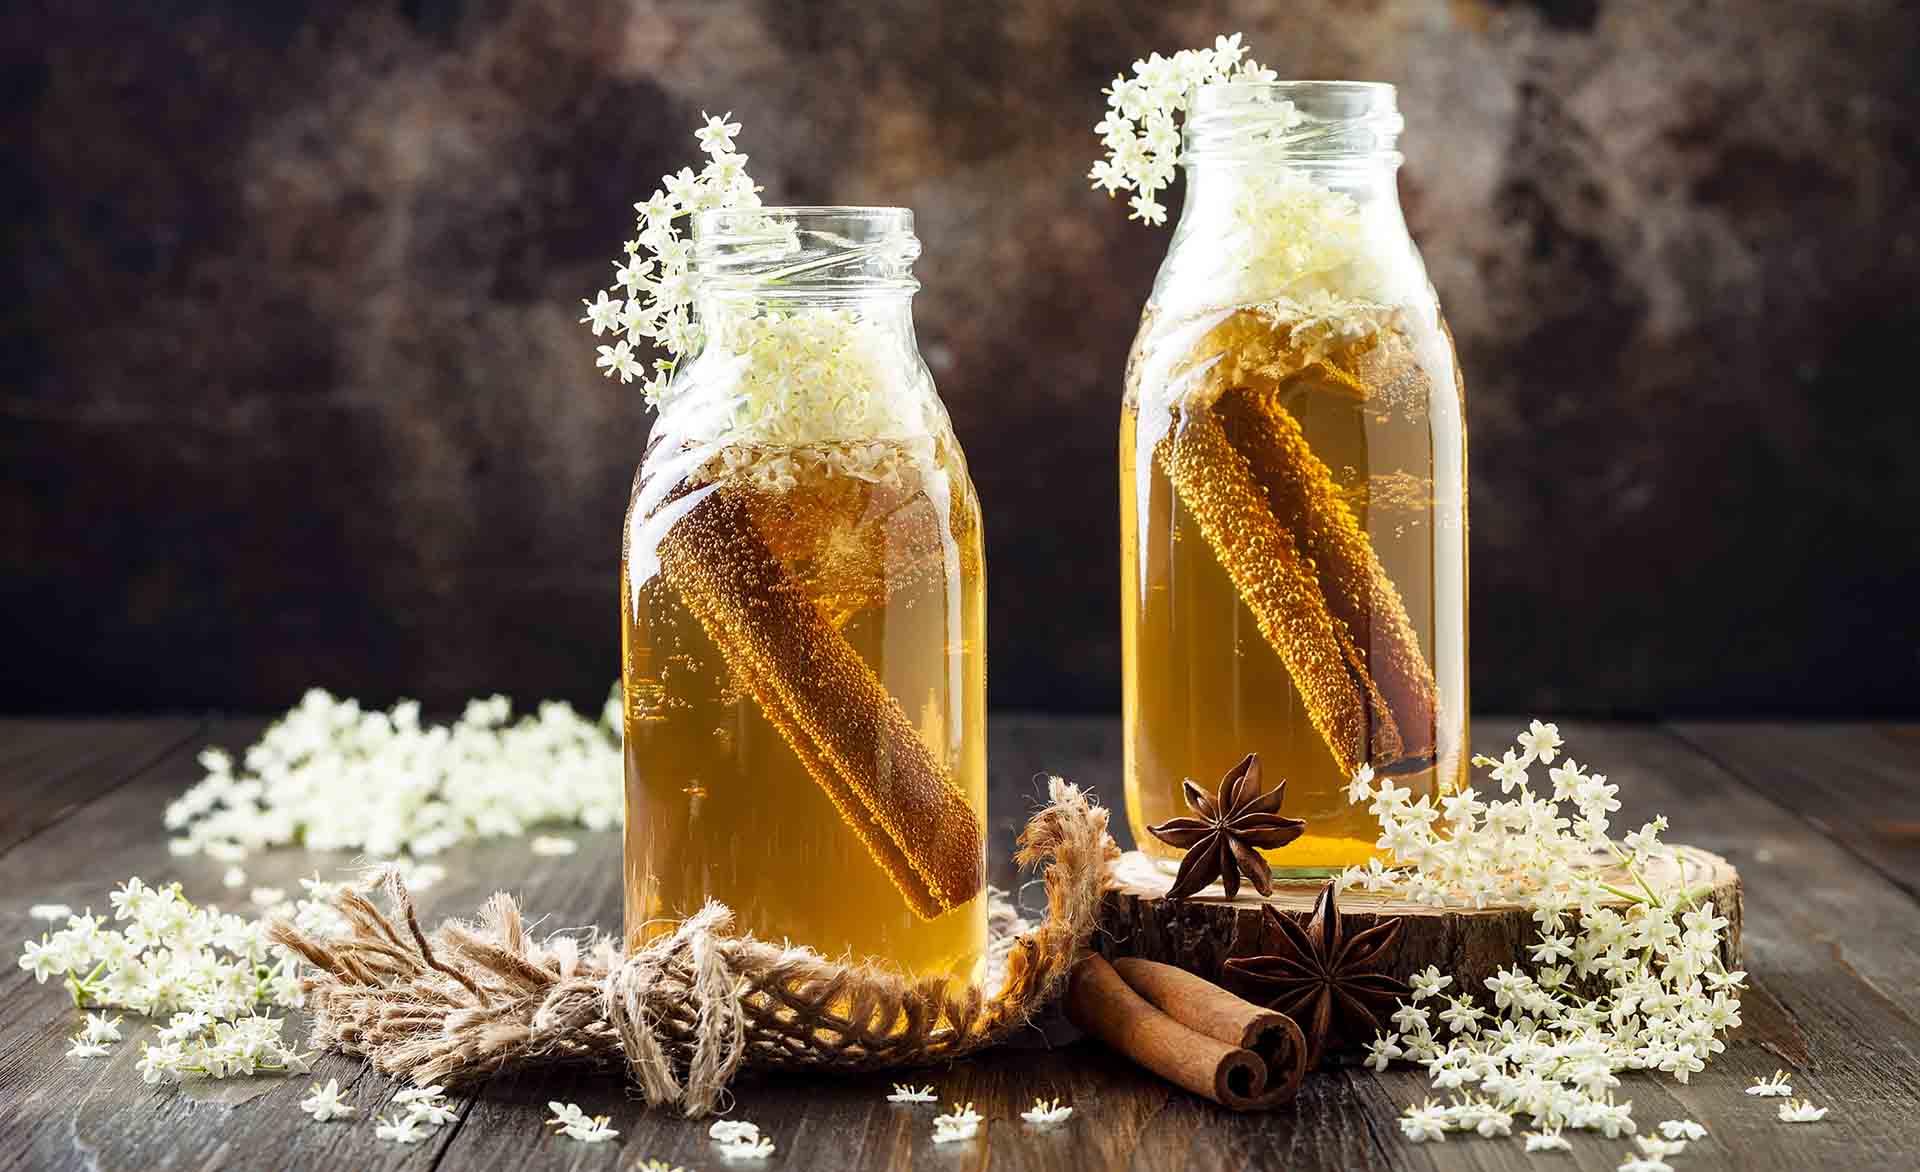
x=1329, y=983
x=1233, y=827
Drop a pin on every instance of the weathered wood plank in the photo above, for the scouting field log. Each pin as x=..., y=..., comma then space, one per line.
x=1859, y=783
x=59, y=1112
x=47, y=767
x=1829, y=943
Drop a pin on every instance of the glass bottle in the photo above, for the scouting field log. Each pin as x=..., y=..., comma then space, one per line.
x=1293, y=478
x=802, y=610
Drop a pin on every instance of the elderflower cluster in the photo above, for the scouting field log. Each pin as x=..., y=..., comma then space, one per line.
x=207, y=972
x=1141, y=133
x=1276, y=236
x=335, y=777
x=822, y=385
x=652, y=294
x=1625, y=976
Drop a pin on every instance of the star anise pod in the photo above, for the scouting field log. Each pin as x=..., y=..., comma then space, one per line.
x=1233, y=827
x=1331, y=984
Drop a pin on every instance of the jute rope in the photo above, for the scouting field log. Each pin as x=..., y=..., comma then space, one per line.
x=691, y=1009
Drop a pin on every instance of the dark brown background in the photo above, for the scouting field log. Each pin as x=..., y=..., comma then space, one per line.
x=294, y=392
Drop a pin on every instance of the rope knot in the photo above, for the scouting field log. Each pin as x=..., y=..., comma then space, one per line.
x=687, y=968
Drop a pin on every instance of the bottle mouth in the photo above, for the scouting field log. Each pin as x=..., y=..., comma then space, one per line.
x=1328, y=122
x=823, y=250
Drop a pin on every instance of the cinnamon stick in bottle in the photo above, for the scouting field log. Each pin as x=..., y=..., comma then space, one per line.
x=853, y=737
x=1104, y=1005
x=1218, y=487
x=1301, y=496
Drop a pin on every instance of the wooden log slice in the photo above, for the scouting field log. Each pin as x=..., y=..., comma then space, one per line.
x=1201, y=933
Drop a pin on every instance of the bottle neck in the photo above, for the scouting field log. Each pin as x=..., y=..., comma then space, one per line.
x=1259, y=226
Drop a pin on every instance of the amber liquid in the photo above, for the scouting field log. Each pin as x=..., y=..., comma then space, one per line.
x=720, y=802
x=1204, y=683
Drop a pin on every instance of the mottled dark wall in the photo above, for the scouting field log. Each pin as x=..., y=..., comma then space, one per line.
x=294, y=392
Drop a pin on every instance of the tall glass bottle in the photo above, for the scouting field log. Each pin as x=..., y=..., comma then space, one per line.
x=802, y=610
x=1293, y=477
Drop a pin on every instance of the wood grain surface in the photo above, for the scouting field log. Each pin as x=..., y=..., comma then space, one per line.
x=1811, y=816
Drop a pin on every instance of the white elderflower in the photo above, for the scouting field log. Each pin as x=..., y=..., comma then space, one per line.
x=82, y=1048
x=332, y=776
x=1801, y=1111
x=1429, y=1121
x=549, y=844
x=1047, y=1112
x=1776, y=1086
x=1549, y=1140
x=569, y=1120
x=728, y=1131
x=49, y=911
x=947, y=1132
x=1682, y=1129
x=757, y=1148
x=1657, y=1148
x=207, y=973
x=100, y=1029
x=401, y=1129
x=1644, y=1164
x=902, y=1093
x=1628, y=978
x=325, y=1103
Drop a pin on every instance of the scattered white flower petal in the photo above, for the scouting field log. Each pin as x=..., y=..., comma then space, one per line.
x=550, y=844
x=1775, y=1087
x=954, y=1132
x=100, y=1028
x=1644, y=1164
x=49, y=911
x=401, y=1129
x=745, y=1149
x=731, y=1130
x=1429, y=1121
x=1801, y=1111
x=235, y=877
x=1547, y=1141
x=81, y=1048
x=902, y=1093
x=1046, y=1112
x=1682, y=1129
x=566, y=1114
x=1657, y=1148
x=325, y=1103
x=266, y=897
x=960, y=1116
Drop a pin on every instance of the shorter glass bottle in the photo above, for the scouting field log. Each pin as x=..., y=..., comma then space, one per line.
x=802, y=604
x=1293, y=478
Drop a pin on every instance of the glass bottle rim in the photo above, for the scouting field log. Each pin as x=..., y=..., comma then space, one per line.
x=801, y=250
x=1321, y=122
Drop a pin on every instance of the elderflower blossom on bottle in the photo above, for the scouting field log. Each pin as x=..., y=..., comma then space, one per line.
x=1293, y=456
x=802, y=602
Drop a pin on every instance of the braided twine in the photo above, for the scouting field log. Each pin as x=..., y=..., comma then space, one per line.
x=690, y=1009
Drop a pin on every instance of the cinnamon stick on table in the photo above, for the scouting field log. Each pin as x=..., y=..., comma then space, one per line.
x=1104, y=1005
x=1218, y=487
x=1206, y=1008
x=854, y=738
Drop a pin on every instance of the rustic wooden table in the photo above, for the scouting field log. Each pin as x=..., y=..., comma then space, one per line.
x=1823, y=822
